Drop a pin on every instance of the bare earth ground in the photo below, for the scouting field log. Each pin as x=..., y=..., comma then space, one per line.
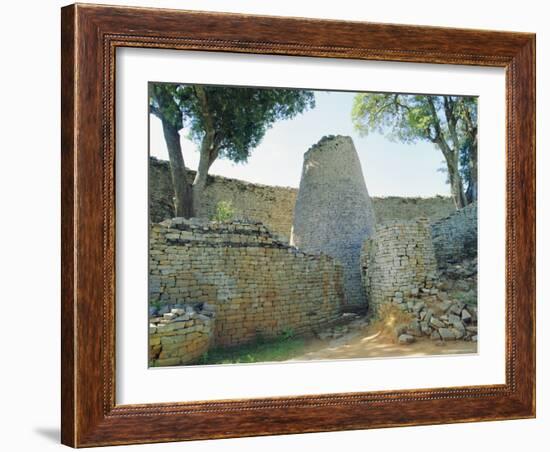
x=369, y=342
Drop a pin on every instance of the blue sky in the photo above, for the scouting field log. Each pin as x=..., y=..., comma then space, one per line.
x=390, y=168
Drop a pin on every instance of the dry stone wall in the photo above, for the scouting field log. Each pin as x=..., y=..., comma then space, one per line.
x=161, y=191
x=181, y=335
x=455, y=237
x=274, y=206
x=256, y=285
x=403, y=282
x=397, y=262
x=399, y=208
x=333, y=212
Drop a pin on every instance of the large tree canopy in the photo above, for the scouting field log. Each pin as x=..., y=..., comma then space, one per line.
x=225, y=122
x=449, y=122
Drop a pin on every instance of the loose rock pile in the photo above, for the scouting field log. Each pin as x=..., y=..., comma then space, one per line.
x=438, y=314
x=181, y=335
x=400, y=268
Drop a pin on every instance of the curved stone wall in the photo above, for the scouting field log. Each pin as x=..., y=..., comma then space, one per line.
x=333, y=212
x=398, y=261
x=257, y=285
x=181, y=335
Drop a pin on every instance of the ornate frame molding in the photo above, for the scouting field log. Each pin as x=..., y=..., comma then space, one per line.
x=90, y=37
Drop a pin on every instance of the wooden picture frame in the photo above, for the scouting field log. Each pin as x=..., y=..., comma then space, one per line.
x=90, y=36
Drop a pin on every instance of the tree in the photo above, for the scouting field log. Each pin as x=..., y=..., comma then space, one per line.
x=449, y=122
x=225, y=122
x=468, y=151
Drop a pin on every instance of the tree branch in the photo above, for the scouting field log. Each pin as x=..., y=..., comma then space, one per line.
x=155, y=111
x=439, y=138
x=399, y=104
x=451, y=120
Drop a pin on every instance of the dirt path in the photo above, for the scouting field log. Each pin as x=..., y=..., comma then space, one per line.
x=369, y=343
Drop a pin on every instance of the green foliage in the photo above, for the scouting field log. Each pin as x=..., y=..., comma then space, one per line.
x=166, y=101
x=450, y=122
x=237, y=117
x=287, y=333
x=411, y=117
x=203, y=359
x=224, y=211
x=156, y=304
x=285, y=347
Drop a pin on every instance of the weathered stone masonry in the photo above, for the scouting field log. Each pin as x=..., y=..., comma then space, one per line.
x=398, y=261
x=256, y=285
x=274, y=206
x=333, y=212
x=400, y=272
x=400, y=208
x=455, y=237
x=181, y=335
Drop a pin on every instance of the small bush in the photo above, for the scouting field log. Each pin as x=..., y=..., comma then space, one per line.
x=224, y=211
x=287, y=333
x=203, y=358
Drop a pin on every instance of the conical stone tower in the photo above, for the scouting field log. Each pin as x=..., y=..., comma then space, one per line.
x=333, y=212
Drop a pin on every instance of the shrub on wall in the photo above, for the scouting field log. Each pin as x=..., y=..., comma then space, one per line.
x=224, y=211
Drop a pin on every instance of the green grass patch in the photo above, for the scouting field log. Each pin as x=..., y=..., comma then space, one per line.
x=281, y=349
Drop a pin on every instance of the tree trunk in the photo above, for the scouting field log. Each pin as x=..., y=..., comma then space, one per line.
x=208, y=150
x=208, y=154
x=472, y=163
x=199, y=184
x=457, y=188
x=183, y=198
x=471, y=131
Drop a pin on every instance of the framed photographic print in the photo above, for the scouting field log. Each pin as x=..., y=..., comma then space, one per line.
x=281, y=225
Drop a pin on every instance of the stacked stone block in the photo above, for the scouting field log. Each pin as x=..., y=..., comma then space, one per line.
x=455, y=237
x=182, y=335
x=398, y=261
x=401, y=208
x=258, y=285
x=333, y=212
x=274, y=206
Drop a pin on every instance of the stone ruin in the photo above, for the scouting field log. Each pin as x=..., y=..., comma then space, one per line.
x=181, y=335
x=333, y=212
x=398, y=261
x=229, y=283
x=274, y=205
x=455, y=236
x=215, y=284
x=400, y=269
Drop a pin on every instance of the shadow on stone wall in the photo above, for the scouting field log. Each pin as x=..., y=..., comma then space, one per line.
x=257, y=285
